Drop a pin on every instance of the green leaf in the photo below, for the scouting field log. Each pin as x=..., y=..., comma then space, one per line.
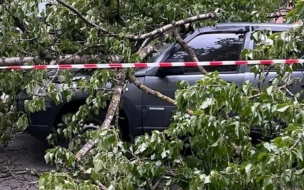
x=207, y=180
x=248, y=168
x=98, y=165
x=142, y=147
x=267, y=146
x=22, y=122
x=164, y=154
x=269, y=90
x=282, y=109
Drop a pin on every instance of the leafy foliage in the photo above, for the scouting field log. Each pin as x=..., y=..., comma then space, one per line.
x=210, y=149
x=180, y=154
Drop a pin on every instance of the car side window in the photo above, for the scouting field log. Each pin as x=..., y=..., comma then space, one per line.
x=297, y=67
x=213, y=47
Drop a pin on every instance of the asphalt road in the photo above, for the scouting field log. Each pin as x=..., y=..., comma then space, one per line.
x=21, y=162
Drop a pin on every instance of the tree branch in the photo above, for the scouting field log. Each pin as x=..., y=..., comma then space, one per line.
x=148, y=90
x=283, y=87
x=146, y=35
x=114, y=104
x=173, y=25
x=53, y=62
x=66, y=59
x=69, y=7
x=144, y=52
x=19, y=60
x=82, y=170
x=188, y=49
x=145, y=42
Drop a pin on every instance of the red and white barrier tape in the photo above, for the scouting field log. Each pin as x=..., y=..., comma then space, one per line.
x=162, y=64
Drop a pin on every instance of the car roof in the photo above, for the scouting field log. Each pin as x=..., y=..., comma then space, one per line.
x=257, y=26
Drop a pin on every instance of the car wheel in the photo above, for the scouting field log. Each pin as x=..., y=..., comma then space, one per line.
x=94, y=123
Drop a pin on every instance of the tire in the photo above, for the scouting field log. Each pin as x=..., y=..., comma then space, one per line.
x=95, y=122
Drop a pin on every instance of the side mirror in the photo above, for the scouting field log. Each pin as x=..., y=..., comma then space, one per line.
x=164, y=71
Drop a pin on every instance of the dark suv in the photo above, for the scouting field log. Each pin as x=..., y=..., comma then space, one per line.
x=143, y=112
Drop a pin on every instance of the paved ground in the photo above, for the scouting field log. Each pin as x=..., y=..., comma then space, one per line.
x=21, y=162
x=23, y=156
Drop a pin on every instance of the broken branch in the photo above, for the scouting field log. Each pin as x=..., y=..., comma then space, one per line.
x=66, y=59
x=283, y=87
x=117, y=92
x=148, y=90
x=144, y=52
x=189, y=50
x=82, y=170
x=146, y=35
x=69, y=7
x=114, y=103
x=173, y=25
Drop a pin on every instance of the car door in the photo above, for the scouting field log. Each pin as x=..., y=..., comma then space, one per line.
x=156, y=113
x=297, y=73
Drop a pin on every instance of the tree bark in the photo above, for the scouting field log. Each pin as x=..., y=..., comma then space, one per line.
x=66, y=59
x=144, y=52
x=117, y=93
x=173, y=25
x=19, y=60
x=73, y=58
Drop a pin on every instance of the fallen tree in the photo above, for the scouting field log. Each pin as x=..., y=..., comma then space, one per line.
x=201, y=126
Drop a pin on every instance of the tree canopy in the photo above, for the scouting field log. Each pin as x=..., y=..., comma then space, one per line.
x=204, y=147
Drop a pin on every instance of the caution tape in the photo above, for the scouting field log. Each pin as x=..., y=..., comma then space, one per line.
x=161, y=64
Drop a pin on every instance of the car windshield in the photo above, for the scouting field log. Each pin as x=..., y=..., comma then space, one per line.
x=158, y=53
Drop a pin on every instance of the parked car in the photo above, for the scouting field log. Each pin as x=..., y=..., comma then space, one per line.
x=144, y=113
